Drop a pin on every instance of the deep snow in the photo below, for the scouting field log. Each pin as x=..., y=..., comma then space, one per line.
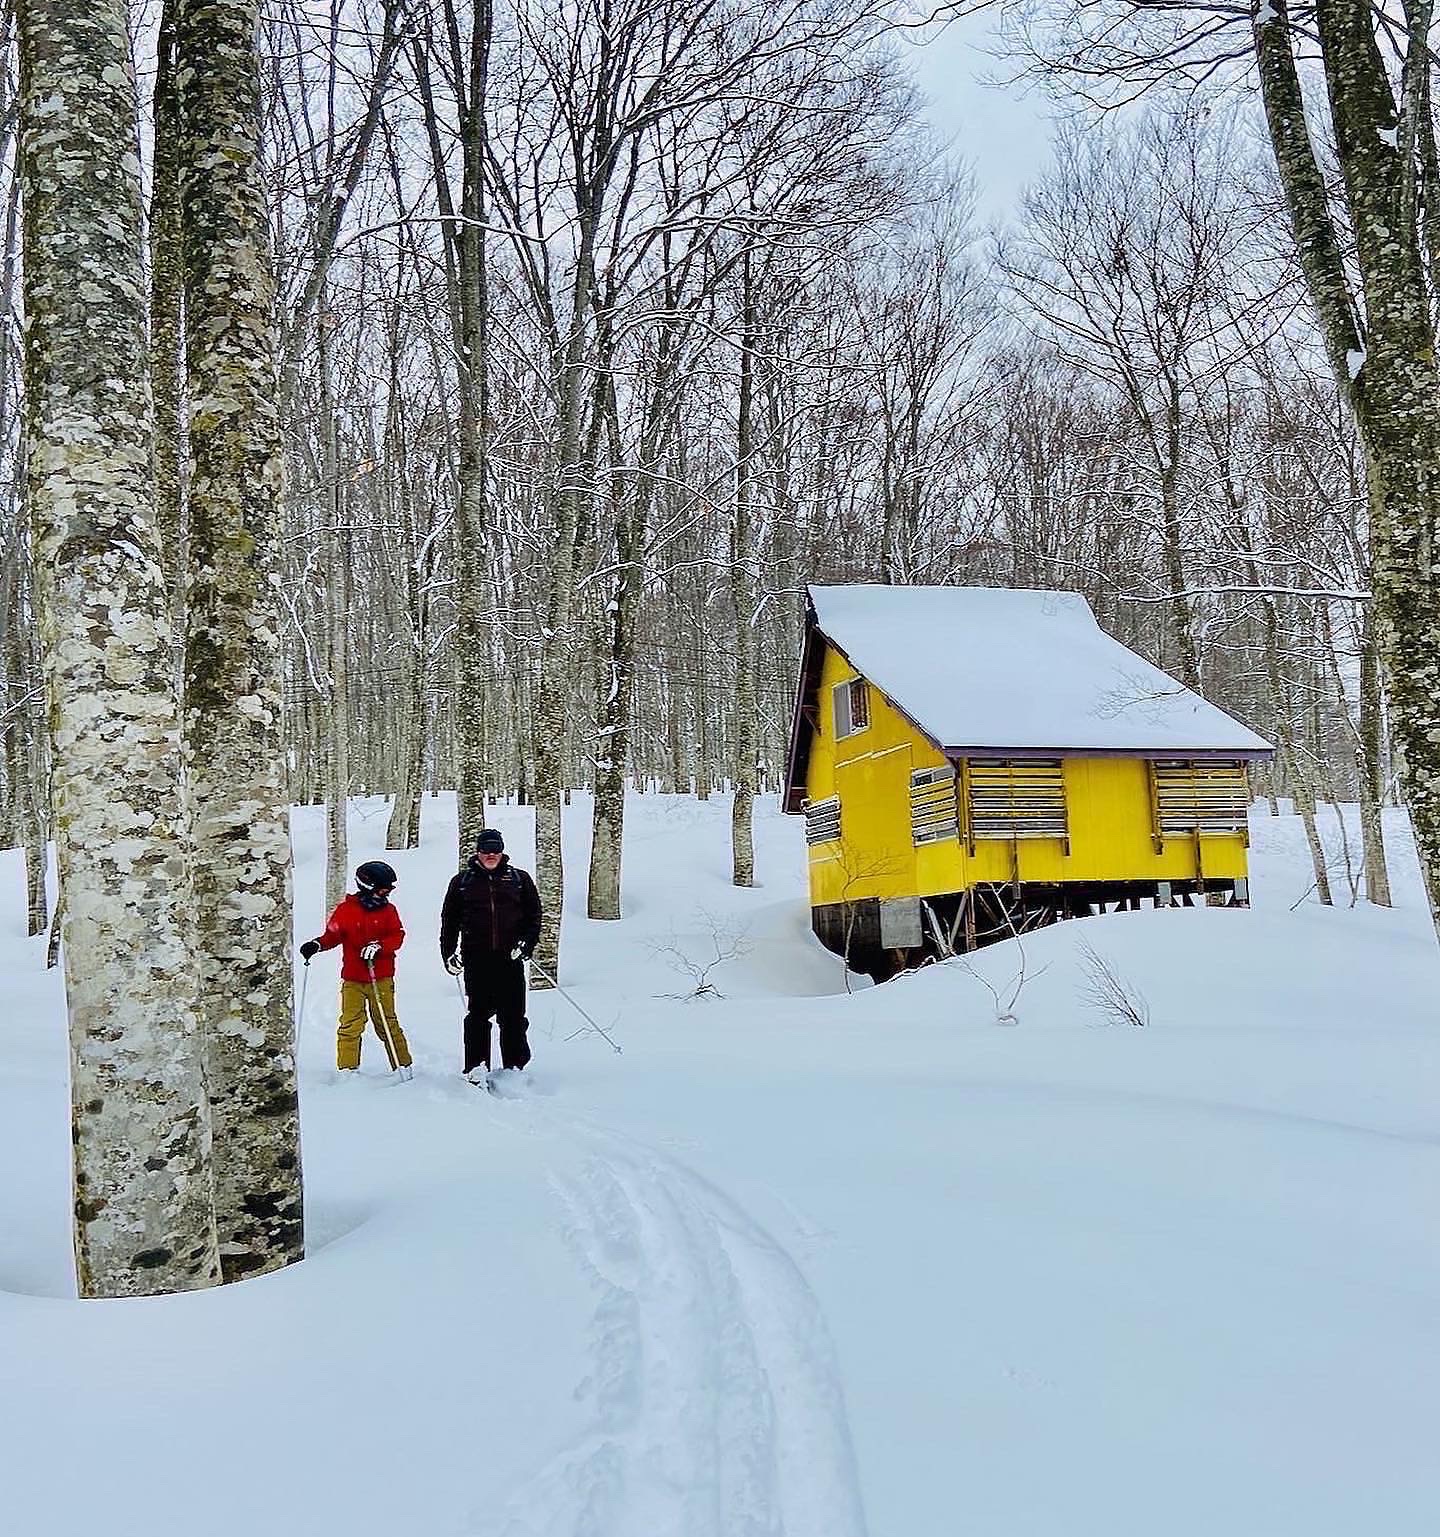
x=796, y=1262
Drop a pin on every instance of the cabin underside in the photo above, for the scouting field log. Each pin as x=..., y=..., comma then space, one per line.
x=884, y=936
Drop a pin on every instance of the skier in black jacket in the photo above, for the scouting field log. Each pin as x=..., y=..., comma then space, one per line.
x=492, y=910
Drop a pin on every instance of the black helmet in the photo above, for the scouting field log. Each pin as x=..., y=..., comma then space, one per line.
x=375, y=879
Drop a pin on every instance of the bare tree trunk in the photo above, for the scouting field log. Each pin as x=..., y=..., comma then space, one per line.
x=23, y=730
x=24, y=720
x=403, y=828
x=1182, y=623
x=573, y=477
x=234, y=687
x=144, y=1192
x=473, y=510
x=335, y=745
x=37, y=906
x=1372, y=776
x=703, y=777
x=631, y=522
x=608, y=821
x=743, y=601
x=1365, y=748
x=1303, y=791
x=467, y=273
x=24, y=760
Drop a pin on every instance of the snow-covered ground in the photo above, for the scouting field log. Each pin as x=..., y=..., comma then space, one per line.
x=798, y=1262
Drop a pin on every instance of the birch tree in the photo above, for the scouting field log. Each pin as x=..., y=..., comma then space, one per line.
x=233, y=682
x=144, y=1192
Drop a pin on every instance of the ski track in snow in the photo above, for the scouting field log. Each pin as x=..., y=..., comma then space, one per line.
x=717, y=1409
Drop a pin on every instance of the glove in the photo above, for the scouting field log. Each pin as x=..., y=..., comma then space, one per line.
x=452, y=964
x=310, y=948
x=523, y=951
x=369, y=951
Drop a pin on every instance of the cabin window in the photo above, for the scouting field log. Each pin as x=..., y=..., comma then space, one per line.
x=1211, y=799
x=934, y=811
x=1016, y=798
x=852, y=707
x=822, y=820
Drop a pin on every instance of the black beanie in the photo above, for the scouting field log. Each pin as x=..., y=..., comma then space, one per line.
x=490, y=842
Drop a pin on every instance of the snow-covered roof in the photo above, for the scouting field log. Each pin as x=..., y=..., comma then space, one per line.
x=990, y=668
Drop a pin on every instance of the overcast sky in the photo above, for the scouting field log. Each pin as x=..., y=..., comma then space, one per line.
x=1003, y=132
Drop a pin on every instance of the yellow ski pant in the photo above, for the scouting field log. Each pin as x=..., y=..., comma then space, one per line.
x=358, y=998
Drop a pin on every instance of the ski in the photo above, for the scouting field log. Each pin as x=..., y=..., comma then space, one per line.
x=508, y=1083
x=500, y=1082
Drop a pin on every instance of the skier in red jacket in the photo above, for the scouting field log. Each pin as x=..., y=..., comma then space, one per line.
x=370, y=931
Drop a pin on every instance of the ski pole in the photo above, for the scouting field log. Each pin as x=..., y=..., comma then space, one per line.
x=382, y=1024
x=589, y=1019
x=300, y=1017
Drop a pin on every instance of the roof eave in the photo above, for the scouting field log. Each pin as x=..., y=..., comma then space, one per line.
x=797, y=760
x=1202, y=754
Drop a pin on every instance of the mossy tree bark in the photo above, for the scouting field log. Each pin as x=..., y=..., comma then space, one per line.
x=167, y=286
x=233, y=655
x=144, y=1194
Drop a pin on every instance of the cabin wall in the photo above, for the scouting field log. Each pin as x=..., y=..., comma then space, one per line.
x=870, y=772
x=1108, y=813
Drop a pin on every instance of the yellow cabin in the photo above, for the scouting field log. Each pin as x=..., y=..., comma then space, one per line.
x=974, y=761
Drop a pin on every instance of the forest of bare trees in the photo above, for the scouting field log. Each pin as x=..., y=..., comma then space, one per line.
x=597, y=331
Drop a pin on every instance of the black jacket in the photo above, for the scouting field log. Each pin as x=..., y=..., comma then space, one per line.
x=490, y=913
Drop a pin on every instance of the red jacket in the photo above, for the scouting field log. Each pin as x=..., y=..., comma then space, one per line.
x=351, y=925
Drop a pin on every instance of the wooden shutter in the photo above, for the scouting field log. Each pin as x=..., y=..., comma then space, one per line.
x=822, y=820
x=1017, y=798
x=852, y=707
x=1211, y=799
x=934, y=810
x=840, y=694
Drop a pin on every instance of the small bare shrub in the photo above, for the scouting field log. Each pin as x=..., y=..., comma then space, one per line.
x=724, y=944
x=1116, y=1001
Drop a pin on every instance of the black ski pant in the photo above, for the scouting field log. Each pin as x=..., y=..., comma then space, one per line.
x=495, y=989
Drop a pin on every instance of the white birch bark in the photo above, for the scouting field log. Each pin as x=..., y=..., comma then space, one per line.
x=144, y=1212
x=335, y=747
x=233, y=657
